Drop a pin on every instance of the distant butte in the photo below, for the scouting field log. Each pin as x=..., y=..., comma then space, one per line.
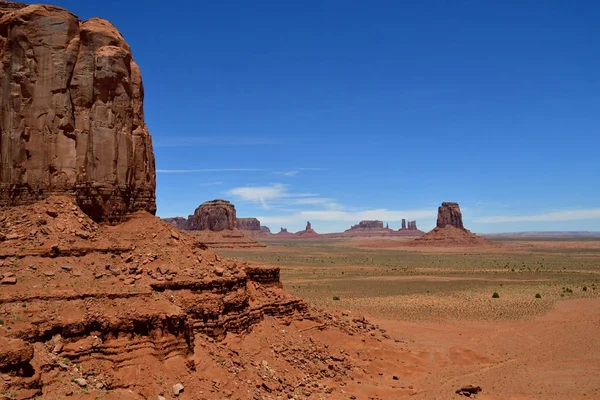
x=450, y=230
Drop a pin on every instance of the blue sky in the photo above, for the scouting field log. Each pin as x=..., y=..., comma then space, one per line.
x=336, y=111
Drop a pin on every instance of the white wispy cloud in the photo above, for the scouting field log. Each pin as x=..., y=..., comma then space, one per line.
x=287, y=173
x=260, y=194
x=191, y=171
x=348, y=216
x=279, y=194
x=565, y=215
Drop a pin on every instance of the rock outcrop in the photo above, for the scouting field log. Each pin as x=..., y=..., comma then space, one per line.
x=412, y=226
x=307, y=232
x=215, y=215
x=450, y=230
x=449, y=215
x=265, y=229
x=71, y=114
x=368, y=225
x=248, y=224
x=283, y=232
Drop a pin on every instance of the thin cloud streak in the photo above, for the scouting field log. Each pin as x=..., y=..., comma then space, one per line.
x=566, y=215
x=347, y=216
x=214, y=141
x=192, y=171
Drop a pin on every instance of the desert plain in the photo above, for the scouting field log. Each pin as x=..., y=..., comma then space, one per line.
x=442, y=326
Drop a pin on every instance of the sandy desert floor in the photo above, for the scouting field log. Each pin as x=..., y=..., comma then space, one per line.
x=537, y=340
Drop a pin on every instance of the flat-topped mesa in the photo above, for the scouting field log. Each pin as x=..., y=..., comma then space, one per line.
x=214, y=215
x=71, y=114
x=368, y=224
x=248, y=224
x=265, y=229
x=449, y=214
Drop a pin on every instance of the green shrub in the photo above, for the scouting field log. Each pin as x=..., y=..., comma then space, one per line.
x=336, y=298
x=495, y=295
x=538, y=296
x=585, y=288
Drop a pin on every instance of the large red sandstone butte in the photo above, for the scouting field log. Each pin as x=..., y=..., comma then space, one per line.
x=449, y=214
x=214, y=215
x=71, y=114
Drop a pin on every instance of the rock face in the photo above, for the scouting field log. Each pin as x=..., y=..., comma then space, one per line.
x=449, y=214
x=248, y=224
x=215, y=215
x=71, y=114
x=265, y=229
x=368, y=225
x=412, y=226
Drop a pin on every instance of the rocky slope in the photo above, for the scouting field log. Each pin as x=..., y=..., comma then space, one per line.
x=109, y=297
x=71, y=114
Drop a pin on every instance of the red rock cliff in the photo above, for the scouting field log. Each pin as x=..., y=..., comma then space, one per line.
x=214, y=215
x=71, y=114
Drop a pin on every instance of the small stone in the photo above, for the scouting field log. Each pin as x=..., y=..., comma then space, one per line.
x=175, y=235
x=49, y=273
x=52, y=213
x=57, y=348
x=161, y=398
x=10, y=280
x=80, y=381
x=67, y=268
x=219, y=271
x=395, y=378
x=177, y=389
x=99, y=385
x=8, y=275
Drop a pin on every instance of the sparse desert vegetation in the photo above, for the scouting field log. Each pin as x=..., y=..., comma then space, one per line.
x=432, y=284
